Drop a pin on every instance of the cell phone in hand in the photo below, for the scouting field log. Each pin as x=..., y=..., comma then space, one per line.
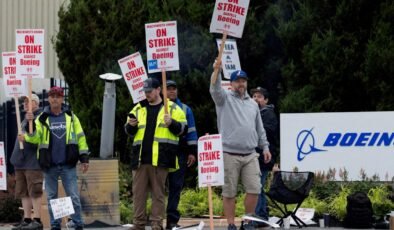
x=132, y=116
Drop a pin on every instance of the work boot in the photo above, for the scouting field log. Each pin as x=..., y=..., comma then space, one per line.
x=34, y=225
x=20, y=225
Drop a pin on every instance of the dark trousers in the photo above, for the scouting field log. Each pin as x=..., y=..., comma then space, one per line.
x=175, y=185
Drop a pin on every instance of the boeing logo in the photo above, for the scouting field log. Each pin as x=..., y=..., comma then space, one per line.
x=306, y=144
x=306, y=141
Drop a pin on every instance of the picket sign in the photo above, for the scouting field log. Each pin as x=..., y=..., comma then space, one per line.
x=13, y=86
x=62, y=207
x=210, y=166
x=3, y=169
x=30, y=58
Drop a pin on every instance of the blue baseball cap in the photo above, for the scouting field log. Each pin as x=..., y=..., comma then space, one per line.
x=238, y=74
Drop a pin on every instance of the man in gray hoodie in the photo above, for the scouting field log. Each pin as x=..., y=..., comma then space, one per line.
x=28, y=174
x=241, y=127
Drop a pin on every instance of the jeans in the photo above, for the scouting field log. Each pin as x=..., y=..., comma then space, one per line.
x=68, y=175
x=175, y=185
x=261, y=207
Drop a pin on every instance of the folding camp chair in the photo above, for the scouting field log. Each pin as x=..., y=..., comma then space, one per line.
x=290, y=188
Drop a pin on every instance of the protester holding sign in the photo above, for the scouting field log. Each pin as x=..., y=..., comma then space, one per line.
x=28, y=174
x=270, y=123
x=62, y=143
x=155, y=146
x=239, y=123
x=186, y=158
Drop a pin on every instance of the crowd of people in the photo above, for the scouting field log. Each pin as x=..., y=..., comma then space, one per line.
x=164, y=146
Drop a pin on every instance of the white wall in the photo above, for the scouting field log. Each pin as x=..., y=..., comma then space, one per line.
x=37, y=14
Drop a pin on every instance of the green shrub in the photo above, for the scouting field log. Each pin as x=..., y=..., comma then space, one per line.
x=337, y=203
x=312, y=201
x=380, y=198
x=126, y=212
x=194, y=202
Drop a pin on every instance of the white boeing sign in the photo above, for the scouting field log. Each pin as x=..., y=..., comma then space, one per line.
x=358, y=142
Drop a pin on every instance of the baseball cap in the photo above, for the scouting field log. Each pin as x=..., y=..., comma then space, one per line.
x=34, y=97
x=260, y=90
x=150, y=84
x=171, y=83
x=56, y=90
x=238, y=74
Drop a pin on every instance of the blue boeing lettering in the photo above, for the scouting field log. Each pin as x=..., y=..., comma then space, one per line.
x=359, y=140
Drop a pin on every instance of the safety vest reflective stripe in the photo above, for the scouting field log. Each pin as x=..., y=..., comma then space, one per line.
x=141, y=126
x=162, y=140
x=79, y=135
x=43, y=146
x=73, y=142
x=139, y=142
x=191, y=129
x=194, y=142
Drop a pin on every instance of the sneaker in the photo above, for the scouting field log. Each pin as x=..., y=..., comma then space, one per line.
x=231, y=227
x=19, y=226
x=34, y=225
x=248, y=226
x=170, y=226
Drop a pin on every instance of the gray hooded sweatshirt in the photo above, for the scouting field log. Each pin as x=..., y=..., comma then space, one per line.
x=239, y=121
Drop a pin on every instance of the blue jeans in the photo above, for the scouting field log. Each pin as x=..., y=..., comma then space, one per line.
x=175, y=185
x=68, y=176
x=261, y=207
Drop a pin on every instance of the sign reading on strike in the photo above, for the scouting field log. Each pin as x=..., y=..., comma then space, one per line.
x=134, y=74
x=62, y=207
x=229, y=15
x=3, y=170
x=13, y=86
x=162, y=46
x=210, y=161
x=30, y=53
x=230, y=58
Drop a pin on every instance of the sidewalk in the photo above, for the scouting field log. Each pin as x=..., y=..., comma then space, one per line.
x=220, y=224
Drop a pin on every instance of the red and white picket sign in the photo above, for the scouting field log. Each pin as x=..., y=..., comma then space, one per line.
x=162, y=46
x=134, y=74
x=30, y=58
x=13, y=86
x=229, y=16
x=210, y=161
x=3, y=169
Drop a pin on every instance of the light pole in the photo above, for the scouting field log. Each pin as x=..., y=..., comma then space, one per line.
x=108, y=119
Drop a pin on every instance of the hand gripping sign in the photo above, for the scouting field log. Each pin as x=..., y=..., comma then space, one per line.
x=162, y=46
x=134, y=74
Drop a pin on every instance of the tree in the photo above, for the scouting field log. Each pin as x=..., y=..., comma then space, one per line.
x=93, y=35
x=332, y=53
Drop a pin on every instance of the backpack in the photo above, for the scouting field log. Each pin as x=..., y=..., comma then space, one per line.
x=359, y=211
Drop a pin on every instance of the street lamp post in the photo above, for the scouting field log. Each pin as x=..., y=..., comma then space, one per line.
x=108, y=119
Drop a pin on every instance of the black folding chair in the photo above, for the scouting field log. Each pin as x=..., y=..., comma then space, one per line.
x=290, y=188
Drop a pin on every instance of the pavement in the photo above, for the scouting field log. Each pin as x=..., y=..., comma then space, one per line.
x=219, y=224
